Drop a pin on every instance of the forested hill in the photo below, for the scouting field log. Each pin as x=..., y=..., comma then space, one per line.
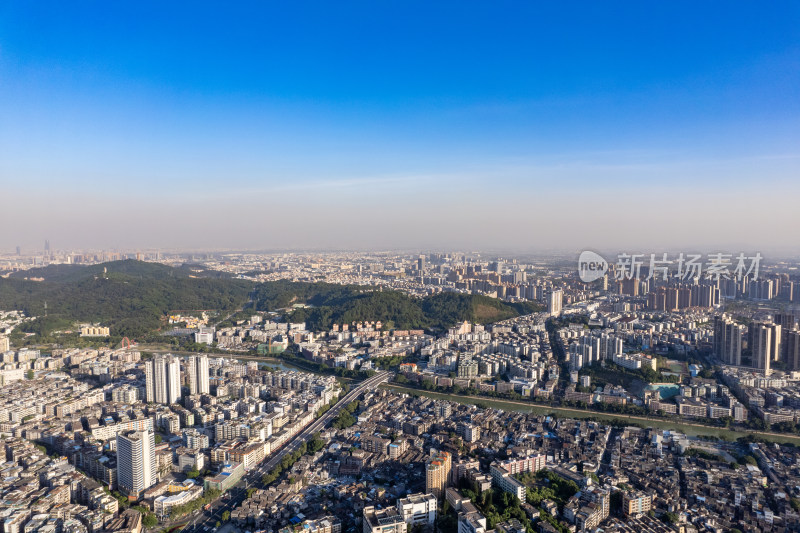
x=130, y=296
x=335, y=304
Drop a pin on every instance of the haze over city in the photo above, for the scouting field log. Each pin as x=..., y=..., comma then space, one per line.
x=399, y=267
x=399, y=126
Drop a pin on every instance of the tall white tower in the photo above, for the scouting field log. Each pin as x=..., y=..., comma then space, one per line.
x=197, y=367
x=163, y=379
x=556, y=299
x=136, y=461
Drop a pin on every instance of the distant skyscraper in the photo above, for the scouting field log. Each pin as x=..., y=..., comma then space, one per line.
x=629, y=287
x=761, y=289
x=618, y=347
x=788, y=322
x=197, y=368
x=163, y=379
x=555, y=302
x=190, y=369
x=728, y=340
x=765, y=344
x=46, y=247
x=702, y=295
x=421, y=263
x=793, y=350
x=136, y=461
x=775, y=348
x=19, y=251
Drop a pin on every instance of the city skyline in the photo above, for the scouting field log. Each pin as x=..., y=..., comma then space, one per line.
x=387, y=128
x=384, y=267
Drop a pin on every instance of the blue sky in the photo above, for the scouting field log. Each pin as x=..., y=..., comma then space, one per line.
x=383, y=124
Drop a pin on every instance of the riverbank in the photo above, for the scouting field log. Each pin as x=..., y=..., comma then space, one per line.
x=689, y=428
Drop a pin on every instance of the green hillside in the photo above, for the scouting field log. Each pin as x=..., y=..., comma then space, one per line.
x=131, y=297
x=333, y=304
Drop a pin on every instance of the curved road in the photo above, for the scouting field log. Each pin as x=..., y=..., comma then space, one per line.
x=205, y=521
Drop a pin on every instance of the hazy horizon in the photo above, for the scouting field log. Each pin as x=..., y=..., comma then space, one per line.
x=400, y=126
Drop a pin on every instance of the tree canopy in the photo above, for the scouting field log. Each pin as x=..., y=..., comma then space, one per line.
x=130, y=296
x=343, y=304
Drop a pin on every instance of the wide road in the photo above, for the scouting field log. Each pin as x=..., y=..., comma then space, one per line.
x=319, y=424
x=205, y=520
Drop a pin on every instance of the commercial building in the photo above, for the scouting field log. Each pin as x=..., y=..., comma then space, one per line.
x=383, y=520
x=228, y=476
x=204, y=335
x=418, y=509
x=164, y=503
x=136, y=462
